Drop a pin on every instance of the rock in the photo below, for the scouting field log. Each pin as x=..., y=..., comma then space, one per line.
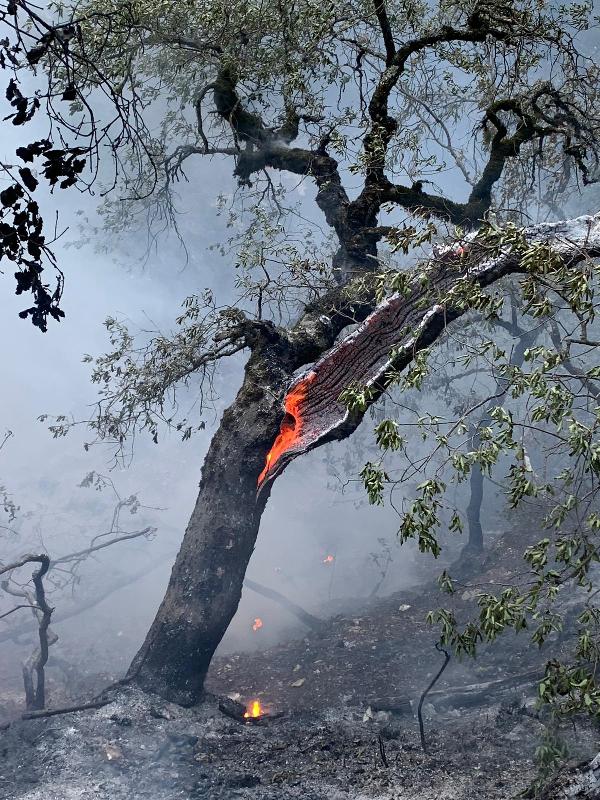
x=112, y=752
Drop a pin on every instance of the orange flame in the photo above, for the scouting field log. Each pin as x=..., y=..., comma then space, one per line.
x=258, y=623
x=291, y=424
x=329, y=559
x=254, y=710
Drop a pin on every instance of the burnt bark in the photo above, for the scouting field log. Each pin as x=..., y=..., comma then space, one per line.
x=206, y=581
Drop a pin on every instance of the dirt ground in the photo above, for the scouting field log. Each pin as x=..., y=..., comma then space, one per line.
x=326, y=738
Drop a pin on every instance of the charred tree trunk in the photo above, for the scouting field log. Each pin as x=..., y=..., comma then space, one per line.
x=206, y=581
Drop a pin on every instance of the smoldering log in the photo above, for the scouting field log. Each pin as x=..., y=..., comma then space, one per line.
x=476, y=694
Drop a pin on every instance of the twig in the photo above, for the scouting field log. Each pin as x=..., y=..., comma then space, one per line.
x=382, y=751
x=53, y=712
x=16, y=608
x=440, y=649
x=7, y=436
x=69, y=613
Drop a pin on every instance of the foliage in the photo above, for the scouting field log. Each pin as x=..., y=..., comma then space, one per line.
x=552, y=410
x=29, y=41
x=503, y=93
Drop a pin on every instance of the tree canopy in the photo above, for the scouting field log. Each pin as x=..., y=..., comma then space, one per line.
x=441, y=142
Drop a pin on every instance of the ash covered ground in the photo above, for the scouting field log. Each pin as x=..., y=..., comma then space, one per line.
x=332, y=740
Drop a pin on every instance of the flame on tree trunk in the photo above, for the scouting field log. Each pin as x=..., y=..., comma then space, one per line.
x=291, y=425
x=206, y=581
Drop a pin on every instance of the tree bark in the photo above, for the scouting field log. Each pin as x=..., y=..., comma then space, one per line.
x=206, y=581
x=207, y=578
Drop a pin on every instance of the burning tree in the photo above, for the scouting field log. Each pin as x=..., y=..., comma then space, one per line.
x=369, y=104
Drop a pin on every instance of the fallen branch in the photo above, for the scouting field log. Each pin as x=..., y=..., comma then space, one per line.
x=304, y=616
x=53, y=712
x=479, y=693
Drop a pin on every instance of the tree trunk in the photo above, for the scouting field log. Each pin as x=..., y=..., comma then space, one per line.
x=475, y=544
x=206, y=581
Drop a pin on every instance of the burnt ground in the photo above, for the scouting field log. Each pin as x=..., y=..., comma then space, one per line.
x=330, y=741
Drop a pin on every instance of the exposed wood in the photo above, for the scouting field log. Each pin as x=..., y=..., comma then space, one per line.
x=400, y=327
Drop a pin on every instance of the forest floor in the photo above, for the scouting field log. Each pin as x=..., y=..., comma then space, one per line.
x=326, y=738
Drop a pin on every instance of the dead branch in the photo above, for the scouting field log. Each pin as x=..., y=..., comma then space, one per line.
x=479, y=693
x=53, y=712
x=81, y=554
x=308, y=619
x=35, y=692
x=63, y=616
x=436, y=678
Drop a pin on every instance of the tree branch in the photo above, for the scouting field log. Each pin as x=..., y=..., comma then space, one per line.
x=401, y=326
x=386, y=31
x=309, y=620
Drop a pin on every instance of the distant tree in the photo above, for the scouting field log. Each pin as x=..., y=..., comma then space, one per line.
x=372, y=104
x=60, y=580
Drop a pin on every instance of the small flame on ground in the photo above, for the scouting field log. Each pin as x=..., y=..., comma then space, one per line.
x=254, y=710
x=329, y=559
x=258, y=623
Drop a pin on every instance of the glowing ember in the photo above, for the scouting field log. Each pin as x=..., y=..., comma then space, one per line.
x=254, y=710
x=329, y=559
x=258, y=623
x=291, y=425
